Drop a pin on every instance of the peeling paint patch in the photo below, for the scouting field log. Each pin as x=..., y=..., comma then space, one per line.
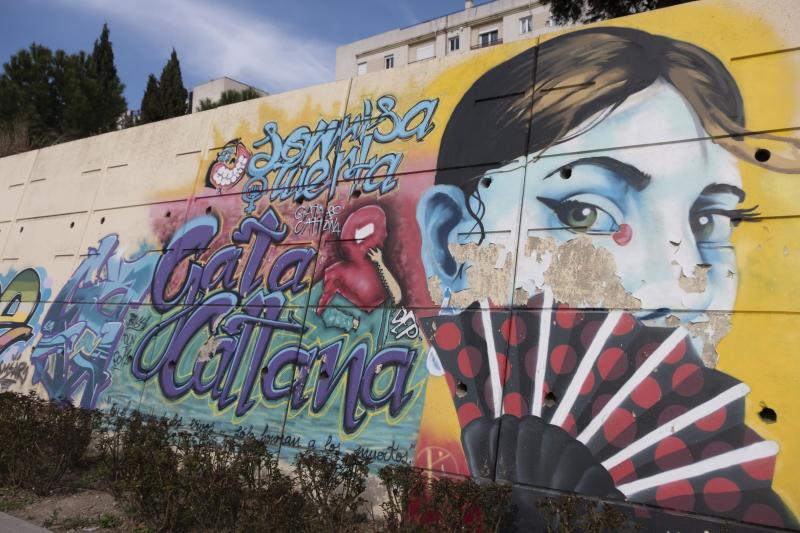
x=709, y=334
x=697, y=281
x=582, y=275
x=484, y=277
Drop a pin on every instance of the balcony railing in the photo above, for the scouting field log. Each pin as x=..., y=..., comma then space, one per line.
x=488, y=43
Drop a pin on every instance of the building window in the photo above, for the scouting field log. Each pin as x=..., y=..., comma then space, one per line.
x=388, y=61
x=362, y=68
x=488, y=38
x=425, y=52
x=525, y=24
x=454, y=43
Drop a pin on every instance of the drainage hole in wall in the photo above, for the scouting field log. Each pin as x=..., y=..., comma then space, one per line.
x=102, y=220
x=356, y=193
x=763, y=155
x=566, y=173
x=21, y=228
x=550, y=399
x=168, y=214
x=208, y=210
x=767, y=415
x=486, y=182
x=461, y=389
x=71, y=224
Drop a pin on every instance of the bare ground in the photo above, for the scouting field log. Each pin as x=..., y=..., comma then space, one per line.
x=82, y=510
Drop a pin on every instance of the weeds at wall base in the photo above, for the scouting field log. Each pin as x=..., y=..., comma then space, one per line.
x=169, y=479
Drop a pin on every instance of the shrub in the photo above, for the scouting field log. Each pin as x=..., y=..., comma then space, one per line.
x=42, y=440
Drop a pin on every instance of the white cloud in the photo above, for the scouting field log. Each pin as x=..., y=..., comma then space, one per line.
x=213, y=40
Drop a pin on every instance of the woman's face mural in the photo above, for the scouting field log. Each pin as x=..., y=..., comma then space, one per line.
x=665, y=214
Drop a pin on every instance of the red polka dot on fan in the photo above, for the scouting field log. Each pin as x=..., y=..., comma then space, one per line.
x=620, y=428
x=721, y=494
x=687, y=379
x=625, y=325
x=759, y=513
x=669, y=413
x=714, y=421
x=447, y=337
x=567, y=318
x=760, y=469
x=647, y=393
x=514, y=404
x=599, y=403
x=467, y=413
x=503, y=367
x=676, y=495
x=588, y=383
x=623, y=472
x=514, y=330
x=677, y=353
x=470, y=361
x=563, y=359
x=570, y=426
x=589, y=331
x=671, y=453
x=451, y=382
x=715, y=448
x=612, y=364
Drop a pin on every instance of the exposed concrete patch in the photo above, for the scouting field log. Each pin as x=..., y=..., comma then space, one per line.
x=484, y=277
x=697, y=281
x=582, y=275
x=709, y=333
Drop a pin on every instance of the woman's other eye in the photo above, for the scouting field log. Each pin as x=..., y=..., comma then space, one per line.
x=581, y=217
x=711, y=227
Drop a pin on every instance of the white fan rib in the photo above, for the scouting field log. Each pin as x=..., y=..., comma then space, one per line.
x=753, y=452
x=585, y=366
x=491, y=355
x=642, y=372
x=677, y=424
x=545, y=320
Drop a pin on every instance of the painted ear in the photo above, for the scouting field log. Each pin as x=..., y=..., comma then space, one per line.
x=440, y=213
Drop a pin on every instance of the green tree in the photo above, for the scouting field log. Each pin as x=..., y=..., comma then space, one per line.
x=150, y=109
x=48, y=97
x=106, y=88
x=231, y=96
x=174, y=96
x=570, y=11
x=28, y=98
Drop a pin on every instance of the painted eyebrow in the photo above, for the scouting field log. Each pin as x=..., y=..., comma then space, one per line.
x=716, y=188
x=631, y=175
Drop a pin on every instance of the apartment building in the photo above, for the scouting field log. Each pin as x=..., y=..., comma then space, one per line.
x=457, y=33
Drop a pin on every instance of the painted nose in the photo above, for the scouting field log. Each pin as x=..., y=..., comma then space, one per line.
x=673, y=277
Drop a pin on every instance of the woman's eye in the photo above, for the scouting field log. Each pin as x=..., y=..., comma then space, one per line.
x=711, y=227
x=581, y=216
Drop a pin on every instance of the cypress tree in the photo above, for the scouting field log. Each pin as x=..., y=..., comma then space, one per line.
x=151, y=110
x=106, y=88
x=174, y=95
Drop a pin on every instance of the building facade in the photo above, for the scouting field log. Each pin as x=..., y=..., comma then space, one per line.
x=473, y=28
x=213, y=89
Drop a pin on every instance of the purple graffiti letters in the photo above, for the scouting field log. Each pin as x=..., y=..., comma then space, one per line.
x=361, y=377
x=212, y=301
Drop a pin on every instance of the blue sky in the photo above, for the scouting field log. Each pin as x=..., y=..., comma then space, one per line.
x=273, y=44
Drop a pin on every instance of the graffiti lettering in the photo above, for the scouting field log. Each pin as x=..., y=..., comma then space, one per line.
x=316, y=220
x=305, y=164
x=404, y=324
x=18, y=302
x=85, y=323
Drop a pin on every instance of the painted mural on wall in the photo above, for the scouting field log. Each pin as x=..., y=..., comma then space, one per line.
x=526, y=279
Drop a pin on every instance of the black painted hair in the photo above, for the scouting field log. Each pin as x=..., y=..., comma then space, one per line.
x=533, y=100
